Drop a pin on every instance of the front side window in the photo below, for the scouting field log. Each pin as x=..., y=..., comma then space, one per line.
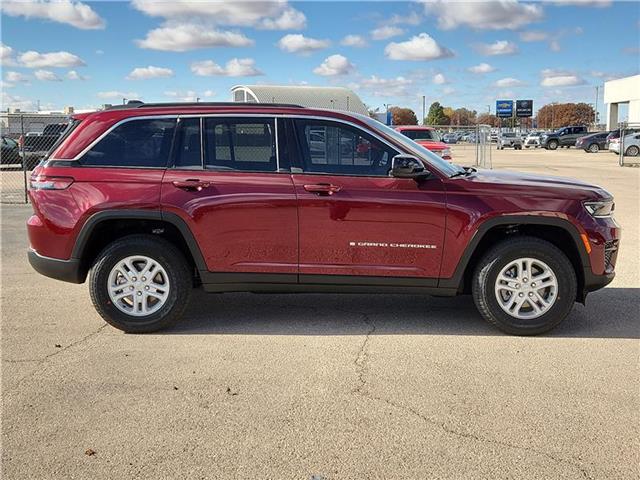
x=332, y=148
x=242, y=144
x=135, y=143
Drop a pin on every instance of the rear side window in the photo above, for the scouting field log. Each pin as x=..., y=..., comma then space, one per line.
x=136, y=143
x=240, y=144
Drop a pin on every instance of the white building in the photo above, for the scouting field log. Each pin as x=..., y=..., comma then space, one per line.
x=335, y=98
x=622, y=91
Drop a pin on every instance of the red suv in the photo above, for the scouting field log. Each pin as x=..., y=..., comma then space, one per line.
x=152, y=200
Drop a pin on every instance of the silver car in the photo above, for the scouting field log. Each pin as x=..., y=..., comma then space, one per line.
x=509, y=140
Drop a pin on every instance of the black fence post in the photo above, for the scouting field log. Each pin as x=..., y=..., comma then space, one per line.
x=24, y=158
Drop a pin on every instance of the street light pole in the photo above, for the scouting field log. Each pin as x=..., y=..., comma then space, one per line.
x=424, y=108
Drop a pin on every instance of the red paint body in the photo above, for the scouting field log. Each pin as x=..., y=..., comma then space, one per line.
x=306, y=223
x=435, y=146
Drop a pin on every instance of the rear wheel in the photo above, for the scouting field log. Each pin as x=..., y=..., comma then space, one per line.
x=140, y=284
x=524, y=286
x=594, y=148
x=632, y=151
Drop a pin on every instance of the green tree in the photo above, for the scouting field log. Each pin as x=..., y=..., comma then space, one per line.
x=436, y=115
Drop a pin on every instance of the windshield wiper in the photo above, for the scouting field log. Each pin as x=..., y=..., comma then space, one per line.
x=464, y=172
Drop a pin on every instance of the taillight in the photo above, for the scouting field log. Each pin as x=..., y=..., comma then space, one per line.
x=44, y=182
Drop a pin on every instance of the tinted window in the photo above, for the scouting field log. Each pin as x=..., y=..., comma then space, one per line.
x=187, y=144
x=332, y=148
x=136, y=143
x=420, y=134
x=246, y=144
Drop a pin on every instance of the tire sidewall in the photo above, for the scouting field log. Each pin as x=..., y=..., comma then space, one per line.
x=565, y=298
x=632, y=151
x=552, y=145
x=99, y=280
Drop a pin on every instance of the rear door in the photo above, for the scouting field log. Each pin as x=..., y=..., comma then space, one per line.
x=357, y=224
x=227, y=183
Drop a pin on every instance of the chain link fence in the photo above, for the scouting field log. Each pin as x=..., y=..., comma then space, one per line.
x=470, y=144
x=629, y=145
x=26, y=139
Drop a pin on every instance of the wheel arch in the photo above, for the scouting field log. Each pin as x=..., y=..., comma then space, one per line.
x=558, y=231
x=104, y=227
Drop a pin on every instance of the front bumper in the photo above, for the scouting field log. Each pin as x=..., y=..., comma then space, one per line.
x=65, y=270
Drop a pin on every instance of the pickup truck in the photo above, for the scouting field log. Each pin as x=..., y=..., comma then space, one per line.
x=39, y=145
x=563, y=137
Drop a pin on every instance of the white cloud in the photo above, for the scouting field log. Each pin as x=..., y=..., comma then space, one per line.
x=386, y=31
x=115, y=94
x=533, y=36
x=15, y=77
x=554, y=46
x=6, y=55
x=508, y=82
x=412, y=18
x=499, y=47
x=209, y=93
x=334, y=65
x=560, y=78
x=272, y=15
x=76, y=14
x=236, y=67
x=4, y=84
x=481, y=68
x=354, y=41
x=386, y=87
x=297, y=43
x=183, y=96
x=99, y=52
x=33, y=59
x=495, y=15
x=47, y=76
x=17, y=102
x=73, y=75
x=145, y=73
x=183, y=37
x=439, y=79
x=583, y=3
x=448, y=90
x=420, y=47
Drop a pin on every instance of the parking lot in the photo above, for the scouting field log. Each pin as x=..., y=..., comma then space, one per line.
x=325, y=386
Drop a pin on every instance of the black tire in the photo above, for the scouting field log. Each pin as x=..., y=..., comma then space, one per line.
x=594, y=148
x=487, y=270
x=163, y=252
x=632, y=151
x=552, y=144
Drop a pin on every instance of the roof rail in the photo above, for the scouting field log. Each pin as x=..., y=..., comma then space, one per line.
x=139, y=104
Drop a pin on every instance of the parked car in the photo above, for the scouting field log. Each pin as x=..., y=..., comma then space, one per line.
x=39, y=144
x=493, y=138
x=616, y=134
x=592, y=143
x=450, y=138
x=563, y=137
x=230, y=199
x=427, y=137
x=631, y=145
x=509, y=140
x=10, y=152
x=532, y=140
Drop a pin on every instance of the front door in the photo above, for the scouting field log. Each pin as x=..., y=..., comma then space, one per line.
x=225, y=182
x=355, y=220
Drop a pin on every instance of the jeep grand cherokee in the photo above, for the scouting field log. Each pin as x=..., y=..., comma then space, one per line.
x=152, y=200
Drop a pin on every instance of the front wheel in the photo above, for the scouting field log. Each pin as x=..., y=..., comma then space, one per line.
x=632, y=151
x=140, y=284
x=524, y=286
x=552, y=145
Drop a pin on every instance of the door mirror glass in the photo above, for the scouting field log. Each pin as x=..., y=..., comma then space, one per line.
x=407, y=166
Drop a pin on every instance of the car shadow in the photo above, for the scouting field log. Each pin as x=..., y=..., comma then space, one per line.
x=609, y=313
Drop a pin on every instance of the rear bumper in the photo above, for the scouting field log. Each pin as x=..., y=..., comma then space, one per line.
x=65, y=270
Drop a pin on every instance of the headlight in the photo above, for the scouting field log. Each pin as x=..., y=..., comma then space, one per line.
x=600, y=209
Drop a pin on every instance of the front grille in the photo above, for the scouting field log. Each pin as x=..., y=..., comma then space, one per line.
x=610, y=250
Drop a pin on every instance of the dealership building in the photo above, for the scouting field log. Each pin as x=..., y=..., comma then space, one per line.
x=335, y=98
x=623, y=91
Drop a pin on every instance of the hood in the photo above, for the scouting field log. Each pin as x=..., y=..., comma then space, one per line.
x=432, y=144
x=507, y=182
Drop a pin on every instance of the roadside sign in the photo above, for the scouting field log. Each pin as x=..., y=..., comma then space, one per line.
x=524, y=108
x=504, y=108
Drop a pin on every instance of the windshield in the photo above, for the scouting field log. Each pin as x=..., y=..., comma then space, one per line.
x=411, y=146
x=417, y=135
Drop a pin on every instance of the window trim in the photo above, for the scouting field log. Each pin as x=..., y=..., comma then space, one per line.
x=300, y=162
x=207, y=115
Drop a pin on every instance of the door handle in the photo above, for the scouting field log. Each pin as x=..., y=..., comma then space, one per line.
x=322, y=188
x=191, y=184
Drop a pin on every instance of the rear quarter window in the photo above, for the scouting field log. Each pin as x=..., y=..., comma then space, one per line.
x=135, y=143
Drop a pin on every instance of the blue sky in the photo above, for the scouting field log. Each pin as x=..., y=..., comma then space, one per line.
x=461, y=54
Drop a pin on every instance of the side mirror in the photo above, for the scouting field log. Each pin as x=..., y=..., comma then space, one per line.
x=407, y=166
